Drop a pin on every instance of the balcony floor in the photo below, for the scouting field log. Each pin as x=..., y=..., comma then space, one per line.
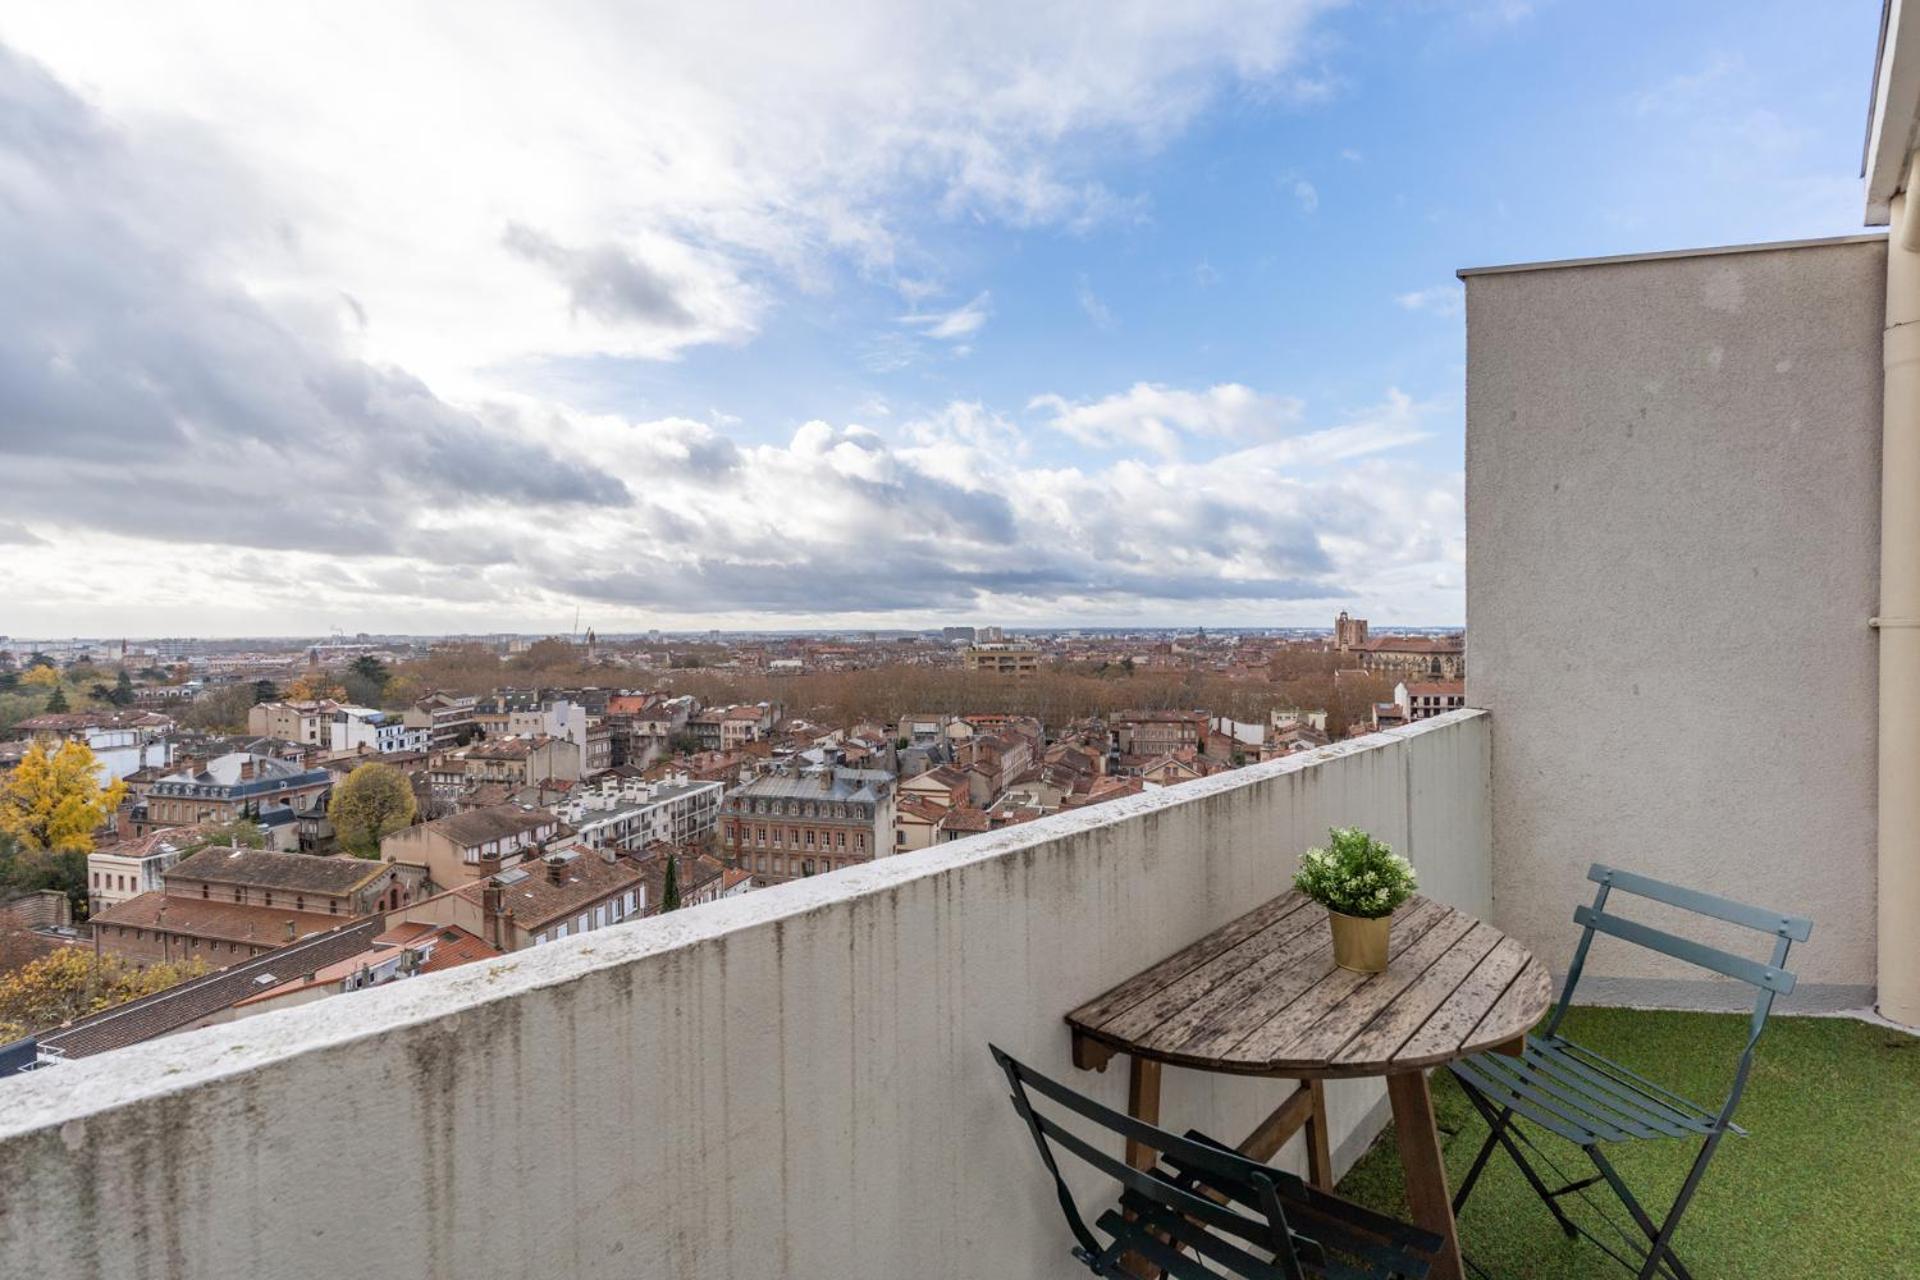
x=1825, y=1185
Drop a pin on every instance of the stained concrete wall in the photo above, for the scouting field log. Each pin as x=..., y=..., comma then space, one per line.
x=1672, y=555
x=792, y=1083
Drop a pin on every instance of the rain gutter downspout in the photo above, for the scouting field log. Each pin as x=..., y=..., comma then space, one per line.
x=1898, y=625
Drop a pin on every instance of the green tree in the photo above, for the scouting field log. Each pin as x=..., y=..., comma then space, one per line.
x=58, y=702
x=670, y=886
x=263, y=691
x=372, y=670
x=122, y=694
x=373, y=801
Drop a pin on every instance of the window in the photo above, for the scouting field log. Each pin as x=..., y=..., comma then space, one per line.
x=841, y=839
x=204, y=892
x=860, y=841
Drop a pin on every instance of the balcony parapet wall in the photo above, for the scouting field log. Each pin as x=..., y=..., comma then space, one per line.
x=790, y=1083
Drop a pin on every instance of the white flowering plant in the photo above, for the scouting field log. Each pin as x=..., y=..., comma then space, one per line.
x=1356, y=875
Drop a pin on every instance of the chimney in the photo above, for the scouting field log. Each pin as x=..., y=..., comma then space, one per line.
x=290, y=933
x=826, y=778
x=246, y=769
x=556, y=871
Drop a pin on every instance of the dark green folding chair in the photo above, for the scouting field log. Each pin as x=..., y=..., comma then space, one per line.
x=1184, y=1216
x=1575, y=1093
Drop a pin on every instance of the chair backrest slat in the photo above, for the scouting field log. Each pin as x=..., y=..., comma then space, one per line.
x=1770, y=978
x=1213, y=1159
x=1161, y=1192
x=1799, y=928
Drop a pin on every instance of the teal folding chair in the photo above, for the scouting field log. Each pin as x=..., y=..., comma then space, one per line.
x=1577, y=1094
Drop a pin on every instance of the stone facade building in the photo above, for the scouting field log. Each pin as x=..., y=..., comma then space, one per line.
x=784, y=826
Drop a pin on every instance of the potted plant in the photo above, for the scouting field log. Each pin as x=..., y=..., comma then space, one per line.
x=1360, y=881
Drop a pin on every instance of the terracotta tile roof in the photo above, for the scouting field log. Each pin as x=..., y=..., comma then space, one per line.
x=920, y=807
x=477, y=826
x=535, y=900
x=220, y=921
x=1415, y=644
x=1439, y=689
x=965, y=820
x=180, y=1006
x=269, y=869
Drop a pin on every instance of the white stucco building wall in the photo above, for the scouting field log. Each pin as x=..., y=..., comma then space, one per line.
x=1673, y=494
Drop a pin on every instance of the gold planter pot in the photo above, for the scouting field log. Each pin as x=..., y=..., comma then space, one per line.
x=1360, y=945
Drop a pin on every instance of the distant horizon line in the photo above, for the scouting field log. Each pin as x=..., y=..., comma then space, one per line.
x=702, y=633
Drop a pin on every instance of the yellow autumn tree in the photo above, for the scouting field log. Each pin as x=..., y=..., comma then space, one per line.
x=53, y=801
x=41, y=677
x=314, y=686
x=73, y=982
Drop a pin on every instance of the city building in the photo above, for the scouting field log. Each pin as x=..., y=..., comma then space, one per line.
x=124, y=742
x=309, y=722
x=128, y=868
x=1431, y=698
x=782, y=826
x=1434, y=656
x=229, y=787
x=1155, y=733
x=1012, y=661
x=461, y=847
x=522, y=762
x=222, y=904
x=447, y=718
x=366, y=729
x=405, y=950
x=566, y=892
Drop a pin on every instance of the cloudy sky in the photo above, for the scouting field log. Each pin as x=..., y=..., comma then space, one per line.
x=430, y=318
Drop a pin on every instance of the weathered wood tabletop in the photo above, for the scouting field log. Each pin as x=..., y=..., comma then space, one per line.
x=1262, y=996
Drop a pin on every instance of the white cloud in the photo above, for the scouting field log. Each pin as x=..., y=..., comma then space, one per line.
x=1438, y=300
x=962, y=322
x=1090, y=303
x=715, y=154
x=1306, y=195
x=839, y=523
x=1161, y=418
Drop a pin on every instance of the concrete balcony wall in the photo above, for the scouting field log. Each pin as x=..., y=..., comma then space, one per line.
x=793, y=1083
x=1673, y=495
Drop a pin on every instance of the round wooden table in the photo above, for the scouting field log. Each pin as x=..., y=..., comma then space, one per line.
x=1261, y=996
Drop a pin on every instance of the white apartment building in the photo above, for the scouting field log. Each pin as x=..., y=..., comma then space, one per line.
x=354, y=728
x=631, y=814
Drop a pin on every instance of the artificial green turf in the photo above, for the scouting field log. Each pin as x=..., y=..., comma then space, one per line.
x=1828, y=1183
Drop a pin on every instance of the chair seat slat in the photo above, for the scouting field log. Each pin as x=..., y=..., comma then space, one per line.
x=1501, y=1092
x=1614, y=1082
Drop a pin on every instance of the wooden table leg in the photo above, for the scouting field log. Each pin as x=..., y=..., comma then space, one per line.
x=1319, y=1148
x=1426, y=1170
x=1143, y=1103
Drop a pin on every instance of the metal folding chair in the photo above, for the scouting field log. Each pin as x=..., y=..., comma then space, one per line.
x=1577, y=1094
x=1184, y=1217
